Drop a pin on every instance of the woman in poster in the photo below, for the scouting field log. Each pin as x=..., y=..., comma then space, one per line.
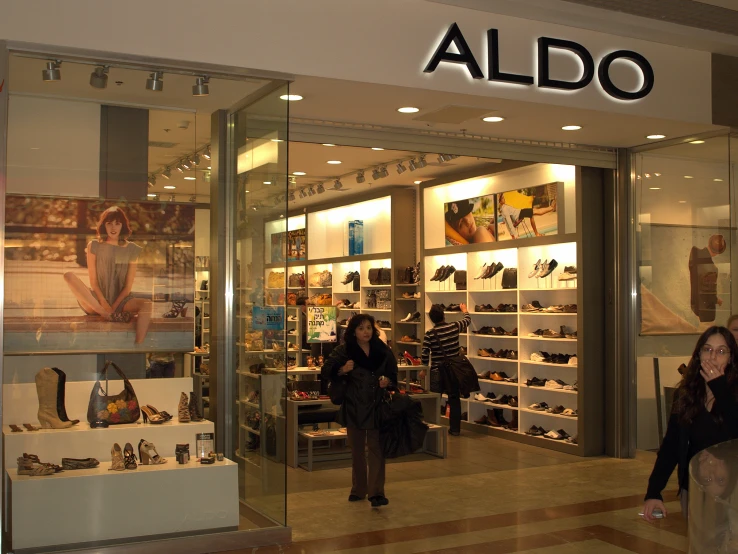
x=461, y=225
x=111, y=264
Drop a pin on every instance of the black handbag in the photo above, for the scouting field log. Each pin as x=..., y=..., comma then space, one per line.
x=356, y=282
x=385, y=276
x=337, y=390
x=510, y=278
x=374, y=275
x=460, y=279
x=399, y=419
x=457, y=370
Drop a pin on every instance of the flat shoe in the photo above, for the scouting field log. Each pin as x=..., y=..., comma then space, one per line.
x=355, y=498
x=378, y=501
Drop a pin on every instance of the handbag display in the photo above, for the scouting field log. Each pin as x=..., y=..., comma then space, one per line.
x=510, y=278
x=457, y=370
x=116, y=409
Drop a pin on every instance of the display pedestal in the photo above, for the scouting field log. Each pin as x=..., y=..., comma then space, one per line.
x=99, y=506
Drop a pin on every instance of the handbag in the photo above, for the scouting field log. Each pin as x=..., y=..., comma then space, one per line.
x=510, y=278
x=356, y=283
x=337, y=390
x=375, y=274
x=120, y=408
x=460, y=279
x=385, y=276
x=457, y=370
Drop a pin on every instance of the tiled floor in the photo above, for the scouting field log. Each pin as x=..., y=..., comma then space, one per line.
x=489, y=495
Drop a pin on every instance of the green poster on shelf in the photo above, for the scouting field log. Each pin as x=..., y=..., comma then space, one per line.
x=321, y=324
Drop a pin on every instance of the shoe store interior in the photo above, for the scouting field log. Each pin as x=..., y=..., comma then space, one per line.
x=130, y=330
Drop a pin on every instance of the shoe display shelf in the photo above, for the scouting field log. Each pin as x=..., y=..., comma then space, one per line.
x=186, y=495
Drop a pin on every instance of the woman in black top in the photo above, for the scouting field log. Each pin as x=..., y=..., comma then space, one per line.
x=705, y=412
x=369, y=366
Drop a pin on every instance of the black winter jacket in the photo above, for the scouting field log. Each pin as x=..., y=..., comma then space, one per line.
x=362, y=393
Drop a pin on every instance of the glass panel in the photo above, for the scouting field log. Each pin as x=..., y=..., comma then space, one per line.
x=685, y=243
x=266, y=243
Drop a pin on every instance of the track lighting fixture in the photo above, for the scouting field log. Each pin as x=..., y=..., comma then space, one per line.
x=195, y=160
x=338, y=185
x=206, y=154
x=200, y=88
x=186, y=163
x=166, y=173
x=421, y=162
x=172, y=198
x=180, y=167
x=52, y=71
x=302, y=194
x=99, y=77
x=311, y=191
x=155, y=81
x=411, y=165
x=401, y=168
x=152, y=180
x=376, y=174
x=360, y=177
x=443, y=158
x=383, y=171
x=321, y=188
x=292, y=197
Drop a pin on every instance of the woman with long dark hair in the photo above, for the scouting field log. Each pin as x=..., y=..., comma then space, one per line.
x=368, y=366
x=705, y=413
x=111, y=266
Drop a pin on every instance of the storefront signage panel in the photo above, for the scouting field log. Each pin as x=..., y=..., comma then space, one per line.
x=464, y=56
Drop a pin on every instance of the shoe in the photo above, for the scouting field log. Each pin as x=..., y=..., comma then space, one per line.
x=536, y=269
x=539, y=407
x=60, y=403
x=482, y=271
x=438, y=273
x=117, y=463
x=488, y=272
x=482, y=420
x=416, y=317
x=567, y=276
x=497, y=269
x=378, y=501
x=572, y=440
x=485, y=375
x=355, y=498
x=480, y=397
x=447, y=273
x=50, y=390
x=454, y=433
x=555, y=435
x=551, y=334
x=148, y=454
x=572, y=361
x=408, y=317
x=541, y=269
x=129, y=458
x=553, y=384
x=513, y=424
x=498, y=376
x=536, y=431
x=28, y=465
x=183, y=410
x=194, y=408
x=178, y=307
x=416, y=295
x=569, y=412
x=536, y=382
x=529, y=308
x=74, y=463
x=150, y=416
x=570, y=309
x=465, y=416
x=537, y=357
x=504, y=399
x=553, y=264
x=555, y=410
x=494, y=418
x=513, y=402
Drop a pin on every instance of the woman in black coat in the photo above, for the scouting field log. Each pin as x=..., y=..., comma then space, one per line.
x=705, y=413
x=368, y=366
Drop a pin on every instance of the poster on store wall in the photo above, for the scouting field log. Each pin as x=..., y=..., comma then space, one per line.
x=278, y=247
x=296, y=245
x=321, y=323
x=470, y=220
x=528, y=212
x=92, y=276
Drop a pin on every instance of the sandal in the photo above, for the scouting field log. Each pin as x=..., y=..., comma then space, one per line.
x=129, y=458
x=30, y=427
x=148, y=454
x=116, y=459
x=165, y=415
x=178, y=306
x=150, y=416
x=16, y=429
x=120, y=317
x=569, y=412
x=35, y=460
x=27, y=467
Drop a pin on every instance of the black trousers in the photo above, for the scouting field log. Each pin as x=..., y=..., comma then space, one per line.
x=454, y=404
x=367, y=462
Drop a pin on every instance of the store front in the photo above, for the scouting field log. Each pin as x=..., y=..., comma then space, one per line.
x=235, y=202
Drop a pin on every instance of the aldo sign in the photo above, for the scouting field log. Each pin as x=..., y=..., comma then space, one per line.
x=545, y=46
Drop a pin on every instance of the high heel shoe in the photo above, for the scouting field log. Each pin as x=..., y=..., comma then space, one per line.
x=148, y=454
x=178, y=306
x=165, y=415
x=183, y=410
x=194, y=407
x=129, y=458
x=150, y=416
x=116, y=459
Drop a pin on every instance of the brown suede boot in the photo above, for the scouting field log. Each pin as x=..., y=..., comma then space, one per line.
x=47, y=388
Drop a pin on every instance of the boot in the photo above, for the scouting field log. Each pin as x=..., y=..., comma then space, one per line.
x=194, y=408
x=513, y=425
x=183, y=410
x=492, y=418
x=60, y=407
x=47, y=388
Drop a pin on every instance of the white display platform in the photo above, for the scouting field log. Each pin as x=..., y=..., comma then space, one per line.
x=97, y=505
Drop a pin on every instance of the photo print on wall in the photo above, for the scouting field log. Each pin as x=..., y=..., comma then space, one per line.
x=470, y=220
x=92, y=275
x=528, y=212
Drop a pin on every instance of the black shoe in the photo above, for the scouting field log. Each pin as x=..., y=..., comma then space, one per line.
x=453, y=434
x=355, y=498
x=496, y=270
x=553, y=264
x=378, y=501
x=438, y=273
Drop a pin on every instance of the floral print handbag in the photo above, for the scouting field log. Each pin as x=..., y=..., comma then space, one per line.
x=121, y=408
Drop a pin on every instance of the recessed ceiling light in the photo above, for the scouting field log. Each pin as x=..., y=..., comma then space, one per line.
x=377, y=148
x=493, y=119
x=247, y=191
x=291, y=97
x=328, y=144
x=281, y=216
x=34, y=147
x=408, y=109
x=718, y=180
x=654, y=188
x=417, y=182
x=334, y=162
x=682, y=201
x=688, y=177
x=655, y=137
x=170, y=187
x=277, y=140
x=190, y=178
x=267, y=182
x=696, y=142
x=571, y=127
x=657, y=174
x=299, y=173
x=151, y=195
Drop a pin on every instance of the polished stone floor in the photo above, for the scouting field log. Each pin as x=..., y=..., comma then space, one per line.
x=489, y=495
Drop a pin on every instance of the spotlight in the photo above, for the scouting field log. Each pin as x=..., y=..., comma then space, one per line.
x=321, y=188
x=193, y=198
x=302, y=193
x=421, y=162
x=166, y=173
x=99, y=77
x=401, y=168
x=311, y=191
x=443, y=158
x=155, y=81
x=181, y=167
x=186, y=163
x=172, y=198
x=376, y=174
x=152, y=180
x=52, y=71
x=195, y=160
x=383, y=171
x=338, y=185
x=360, y=177
x=411, y=165
x=292, y=197
x=206, y=154
x=200, y=88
